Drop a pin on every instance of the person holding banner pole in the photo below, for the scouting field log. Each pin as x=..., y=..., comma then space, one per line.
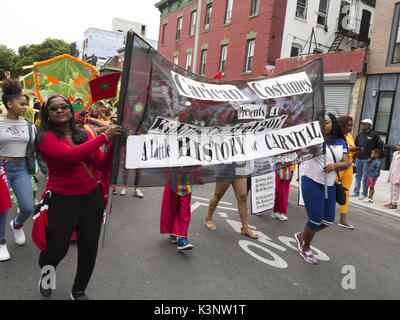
x=77, y=198
x=321, y=211
x=226, y=176
x=283, y=177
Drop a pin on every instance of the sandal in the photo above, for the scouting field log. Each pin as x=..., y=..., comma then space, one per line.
x=210, y=225
x=390, y=206
x=249, y=233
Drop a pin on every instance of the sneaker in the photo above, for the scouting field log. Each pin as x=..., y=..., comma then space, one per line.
x=45, y=292
x=354, y=195
x=308, y=257
x=173, y=239
x=184, y=244
x=282, y=217
x=345, y=225
x=114, y=190
x=19, y=235
x=275, y=215
x=299, y=239
x=362, y=197
x=123, y=192
x=138, y=193
x=4, y=254
x=79, y=295
x=368, y=200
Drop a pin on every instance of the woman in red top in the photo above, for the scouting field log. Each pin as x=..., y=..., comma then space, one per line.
x=76, y=201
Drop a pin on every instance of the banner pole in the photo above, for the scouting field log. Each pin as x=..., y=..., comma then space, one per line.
x=107, y=218
x=196, y=39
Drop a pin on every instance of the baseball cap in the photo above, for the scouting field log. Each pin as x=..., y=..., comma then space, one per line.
x=369, y=121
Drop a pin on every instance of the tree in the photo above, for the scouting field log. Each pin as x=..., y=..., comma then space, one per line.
x=28, y=54
x=6, y=60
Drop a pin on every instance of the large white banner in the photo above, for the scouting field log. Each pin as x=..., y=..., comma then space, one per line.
x=224, y=145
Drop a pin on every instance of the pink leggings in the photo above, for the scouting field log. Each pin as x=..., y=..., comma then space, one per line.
x=175, y=213
x=281, y=195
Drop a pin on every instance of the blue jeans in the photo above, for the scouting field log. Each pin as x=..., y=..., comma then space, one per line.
x=361, y=176
x=20, y=181
x=3, y=221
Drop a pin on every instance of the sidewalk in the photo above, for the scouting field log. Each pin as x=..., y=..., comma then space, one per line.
x=381, y=197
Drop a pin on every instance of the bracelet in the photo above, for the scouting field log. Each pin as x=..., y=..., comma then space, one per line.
x=105, y=134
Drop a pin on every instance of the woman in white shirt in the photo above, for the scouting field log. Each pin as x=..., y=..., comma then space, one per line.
x=14, y=140
x=321, y=211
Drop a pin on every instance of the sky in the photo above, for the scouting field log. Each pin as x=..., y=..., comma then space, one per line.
x=25, y=22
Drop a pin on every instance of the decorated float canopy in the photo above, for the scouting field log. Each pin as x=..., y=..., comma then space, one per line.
x=64, y=75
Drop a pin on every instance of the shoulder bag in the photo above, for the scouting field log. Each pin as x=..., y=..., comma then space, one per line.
x=341, y=195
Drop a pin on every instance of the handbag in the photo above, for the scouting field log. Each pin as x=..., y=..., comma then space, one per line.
x=341, y=196
x=102, y=186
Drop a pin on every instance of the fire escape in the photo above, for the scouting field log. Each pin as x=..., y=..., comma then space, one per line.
x=354, y=29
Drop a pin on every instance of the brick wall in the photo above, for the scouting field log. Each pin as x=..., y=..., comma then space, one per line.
x=268, y=25
x=334, y=62
x=380, y=38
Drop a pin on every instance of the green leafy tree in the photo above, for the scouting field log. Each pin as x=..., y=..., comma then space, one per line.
x=6, y=60
x=28, y=54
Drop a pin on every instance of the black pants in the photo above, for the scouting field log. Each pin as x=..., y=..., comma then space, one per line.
x=66, y=214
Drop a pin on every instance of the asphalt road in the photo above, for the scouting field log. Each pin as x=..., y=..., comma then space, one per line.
x=140, y=264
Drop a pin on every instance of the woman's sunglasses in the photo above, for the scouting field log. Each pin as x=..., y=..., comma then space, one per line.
x=62, y=107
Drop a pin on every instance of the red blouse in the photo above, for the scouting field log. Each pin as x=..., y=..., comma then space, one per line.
x=67, y=176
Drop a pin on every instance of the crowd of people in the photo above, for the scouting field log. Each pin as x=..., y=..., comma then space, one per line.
x=75, y=156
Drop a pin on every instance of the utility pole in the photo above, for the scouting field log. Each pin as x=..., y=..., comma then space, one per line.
x=196, y=39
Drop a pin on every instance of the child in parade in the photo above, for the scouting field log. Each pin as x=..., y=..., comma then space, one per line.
x=373, y=172
x=283, y=177
x=394, y=179
x=175, y=209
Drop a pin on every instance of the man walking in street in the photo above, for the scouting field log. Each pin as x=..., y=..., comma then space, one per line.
x=366, y=141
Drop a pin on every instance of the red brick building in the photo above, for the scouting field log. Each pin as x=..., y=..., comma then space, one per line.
x=239, y=37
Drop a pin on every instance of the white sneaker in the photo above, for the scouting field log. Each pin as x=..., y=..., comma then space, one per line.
x=138, y=193
x=362, y=198
x=275, y=215
x=19, y=235
x=368, y=200
x=4, y=254
x=123, y=192
x=282, y=217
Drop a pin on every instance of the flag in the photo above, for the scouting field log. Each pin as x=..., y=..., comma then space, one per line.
x=104, y=87
x=218, y=75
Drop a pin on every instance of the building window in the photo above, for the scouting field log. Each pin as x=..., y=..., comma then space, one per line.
x=222, y=60
x=203, y=61
x=394, y=49
x=164, y=28
x=295, y=50
x=322, y=12
x=301, y=9
x=255, y=6
x=176, y=59
x=189, y=61
x=192, y=23
x=384, y=110
x=228, y=12
x=178, y=28
x=249, y=55
x=208, y=16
